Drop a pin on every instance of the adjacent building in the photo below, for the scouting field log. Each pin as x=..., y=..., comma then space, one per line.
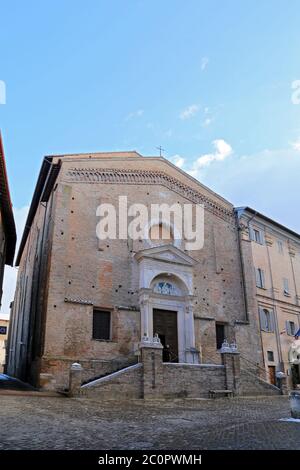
x=271, y=255
x=7, y=224
x=7, y=245
x=4, y=323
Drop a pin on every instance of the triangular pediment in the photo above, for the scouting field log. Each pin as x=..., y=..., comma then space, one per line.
x=166, y=253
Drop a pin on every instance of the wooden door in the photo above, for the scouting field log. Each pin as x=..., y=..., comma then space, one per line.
x=165, y=325
x=272, y=375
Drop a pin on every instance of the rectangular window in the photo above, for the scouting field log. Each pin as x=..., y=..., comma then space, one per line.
x=101, y=324
x=3, y=330
x=256, y=235
x=280, y=246
x=260, y=278
x=270, y=356
x=266, y=319
x=220, y=334
x=290, y=328
x=286, y=289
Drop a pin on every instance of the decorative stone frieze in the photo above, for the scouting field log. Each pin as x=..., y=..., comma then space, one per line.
x=118, y=176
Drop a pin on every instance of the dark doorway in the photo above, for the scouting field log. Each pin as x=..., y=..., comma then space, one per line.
x=220, y=334
x=272, y=375
x=165, y=325
x=295, y=375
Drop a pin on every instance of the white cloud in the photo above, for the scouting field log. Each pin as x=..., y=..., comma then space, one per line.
x=204, y=63
x=296, y=145
x=207, y=122
x=189, y=112
x=266, y=181
x=10, y=274
x=222, y=151
x=134, y=114
x=178, y=161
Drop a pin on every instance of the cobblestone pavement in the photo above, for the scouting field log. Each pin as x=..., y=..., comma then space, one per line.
x=34, y=422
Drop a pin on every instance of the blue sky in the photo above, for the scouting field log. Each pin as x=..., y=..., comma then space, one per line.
x=210, y=81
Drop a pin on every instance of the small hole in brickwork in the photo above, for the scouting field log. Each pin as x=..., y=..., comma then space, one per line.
x=93, y=287
x=54, y=306
x=224, y=293
x=72, y=212
x=222, y=269
x=204, y=277
x=204, y=298
x=73, y=198
x=116, y=290
x=73, y=238
x=70, y=282
x=207, y=305
x=107, y=246
x=69, y=266
x=120, y=285
x=61, y=233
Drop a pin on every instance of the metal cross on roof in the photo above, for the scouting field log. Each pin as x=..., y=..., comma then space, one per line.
x=160, y=150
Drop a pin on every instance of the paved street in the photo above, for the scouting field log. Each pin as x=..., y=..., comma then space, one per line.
x=34, y=422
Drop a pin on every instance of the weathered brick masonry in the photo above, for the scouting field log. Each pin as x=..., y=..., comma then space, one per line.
x=65, y=272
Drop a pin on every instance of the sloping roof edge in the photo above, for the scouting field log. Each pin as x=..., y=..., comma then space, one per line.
x=44, y=185
x=6, y=209
x=254, y=212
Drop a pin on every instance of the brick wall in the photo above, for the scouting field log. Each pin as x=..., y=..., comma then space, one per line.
x=192, y=380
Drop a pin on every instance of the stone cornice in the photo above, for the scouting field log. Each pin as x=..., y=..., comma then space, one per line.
x=117, y=176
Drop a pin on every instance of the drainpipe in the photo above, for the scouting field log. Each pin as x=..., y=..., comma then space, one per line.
x=275, y=309
x=242, y=266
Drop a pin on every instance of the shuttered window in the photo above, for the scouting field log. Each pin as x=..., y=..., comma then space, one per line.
x=266, y=319
x=256, y=235
x=290, y=328
x=101, y=324
x=260, y=278
x=280, y=246
x=286, y=289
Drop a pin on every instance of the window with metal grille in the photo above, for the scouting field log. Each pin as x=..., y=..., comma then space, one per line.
x=101, y=324
x=270, y=356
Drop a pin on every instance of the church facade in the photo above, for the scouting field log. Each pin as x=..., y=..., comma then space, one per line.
x=81, y=299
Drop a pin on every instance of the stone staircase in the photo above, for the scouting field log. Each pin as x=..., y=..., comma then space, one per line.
x=253, y=380
x=113, y=366
x=119, y=385
x=252, y=385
